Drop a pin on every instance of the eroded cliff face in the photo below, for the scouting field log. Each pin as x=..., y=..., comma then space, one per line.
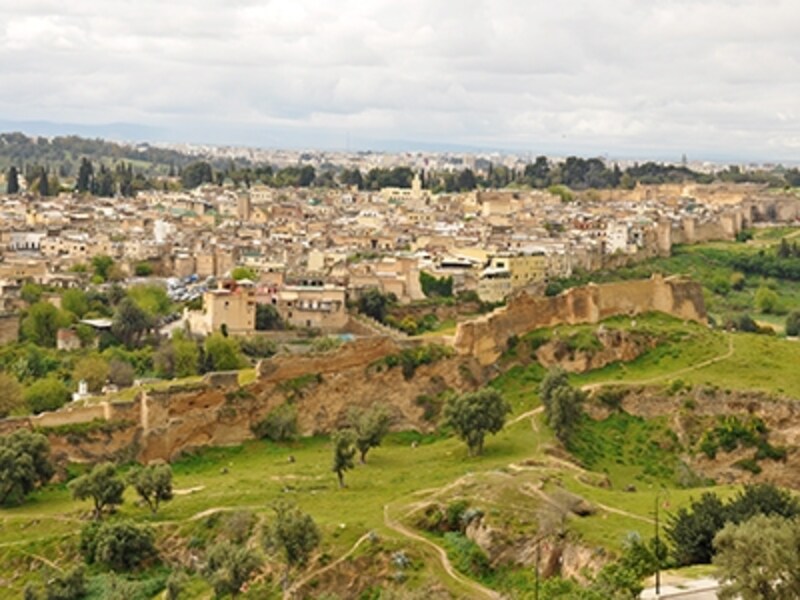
x=692, y=413
x=614, y=346
x=485, y=338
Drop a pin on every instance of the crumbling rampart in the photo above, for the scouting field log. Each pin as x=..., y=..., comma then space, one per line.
x=487, y=337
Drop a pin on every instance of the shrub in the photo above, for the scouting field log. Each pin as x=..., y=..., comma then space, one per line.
x=46, y=394
x=121, y=545
x=793, y=323
x=24, y=465
x=280, y=425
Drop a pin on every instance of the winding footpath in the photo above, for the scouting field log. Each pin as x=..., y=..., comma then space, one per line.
x=701, y=365
x=477, y=590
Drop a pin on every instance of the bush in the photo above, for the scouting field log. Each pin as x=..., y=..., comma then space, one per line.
x=280, y=425
x=24, y=465
x=258, y=346
x=121, y=373
x=121, y=546
x=793, y=323
x=46, y=394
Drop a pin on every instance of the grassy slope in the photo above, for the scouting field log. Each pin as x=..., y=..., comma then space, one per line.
x=260, y=472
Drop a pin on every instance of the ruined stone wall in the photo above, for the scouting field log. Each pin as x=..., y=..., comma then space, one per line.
x=9, y=329
x=358, y=352
x=486, y=338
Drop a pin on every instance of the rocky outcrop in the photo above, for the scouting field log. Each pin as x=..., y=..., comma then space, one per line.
x=487, y=337
x=612, y=346
x=692, y=412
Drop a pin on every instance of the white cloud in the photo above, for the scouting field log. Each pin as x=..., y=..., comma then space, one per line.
x=708, y=77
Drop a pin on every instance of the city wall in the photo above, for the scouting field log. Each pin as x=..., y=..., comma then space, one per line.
x=486, y=338
x=162, y=424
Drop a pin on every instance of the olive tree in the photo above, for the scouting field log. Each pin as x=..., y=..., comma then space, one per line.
x=474, y=414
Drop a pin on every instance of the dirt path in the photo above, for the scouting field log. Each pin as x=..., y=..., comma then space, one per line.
x=300, y=583
x=701, y=365
x=476, y=589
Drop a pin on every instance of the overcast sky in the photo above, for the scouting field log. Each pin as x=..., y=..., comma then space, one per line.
x=623, y=78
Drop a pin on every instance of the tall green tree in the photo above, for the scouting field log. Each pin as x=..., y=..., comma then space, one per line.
x=85, y=181
x=474, y=414
x=12, y=181
x=562, y=403
x=42, y=322
x=130, y=322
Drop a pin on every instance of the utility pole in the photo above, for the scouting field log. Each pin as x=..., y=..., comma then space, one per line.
x=536, y=585
x=658, y=559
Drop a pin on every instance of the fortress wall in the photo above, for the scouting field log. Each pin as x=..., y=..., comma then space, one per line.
x=486, y=338
x=358, y=352
x=69, y=416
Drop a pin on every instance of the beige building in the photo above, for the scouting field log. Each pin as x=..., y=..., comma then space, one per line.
x=506, y=273
x=234, y=307
x=316, y=305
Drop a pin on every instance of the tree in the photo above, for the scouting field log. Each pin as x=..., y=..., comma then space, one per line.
x=222, y=353
x=153, y=483
x=12, y=181
x=102, y=485
x=75, y=301
x=793, y=323
x=562, y=403
x=229, y=566
x=375, y=304
x=120, y=545
x=93, y=370
x=691, y=530
x=102, y=265
x=474, y=414
x=195, y=174
x=758, y=559
x=85, y=179
x=31, y=292
x=42, y=323
x=24, y=465
x=370, y=427
x=121, y=373
x=11, y=397
x=46, y=394
x=267, y=318
x=239, y=273
x=152, y=299
x=344, y=451
x=436, y=286
x=178, y=357
x=294, y=535
x=766, y=300
x=130, y=322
